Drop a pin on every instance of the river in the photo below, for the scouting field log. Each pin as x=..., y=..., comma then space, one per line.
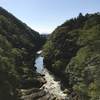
x=52, y=85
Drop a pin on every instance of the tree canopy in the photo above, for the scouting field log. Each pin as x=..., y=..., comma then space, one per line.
x=72, y=52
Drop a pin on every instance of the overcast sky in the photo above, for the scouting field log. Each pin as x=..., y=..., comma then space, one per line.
x=45, y=15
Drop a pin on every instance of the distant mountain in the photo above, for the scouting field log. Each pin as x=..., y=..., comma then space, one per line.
x=72, y=52
x=45, y=35
x=18, y=47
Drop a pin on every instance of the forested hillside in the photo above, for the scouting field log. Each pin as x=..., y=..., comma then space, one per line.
x=18, y=46
x=72, y=52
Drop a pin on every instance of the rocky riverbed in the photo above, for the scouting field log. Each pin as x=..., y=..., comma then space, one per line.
x=49, y=89
x=53, y=86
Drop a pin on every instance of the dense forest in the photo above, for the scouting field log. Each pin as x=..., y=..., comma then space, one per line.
x=72, y=52
x=18, y=47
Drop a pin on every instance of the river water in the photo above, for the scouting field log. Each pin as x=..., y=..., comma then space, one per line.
x=52, y=86
x=39, y=64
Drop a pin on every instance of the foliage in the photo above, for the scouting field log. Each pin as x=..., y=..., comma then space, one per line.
x=18, y=46
x=75, y=53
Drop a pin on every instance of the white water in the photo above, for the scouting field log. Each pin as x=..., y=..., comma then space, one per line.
x=39, y=52
x=52, y=86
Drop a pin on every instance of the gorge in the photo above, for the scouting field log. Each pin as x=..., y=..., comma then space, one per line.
x=66, y=68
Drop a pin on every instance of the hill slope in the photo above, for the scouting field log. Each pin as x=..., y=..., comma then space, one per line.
x=18, y=46
x=72, y=52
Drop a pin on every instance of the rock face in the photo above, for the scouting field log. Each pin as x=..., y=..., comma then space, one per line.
x=35, y=94
x=72, y=52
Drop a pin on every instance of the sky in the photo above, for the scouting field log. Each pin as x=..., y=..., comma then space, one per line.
x=45, y=15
